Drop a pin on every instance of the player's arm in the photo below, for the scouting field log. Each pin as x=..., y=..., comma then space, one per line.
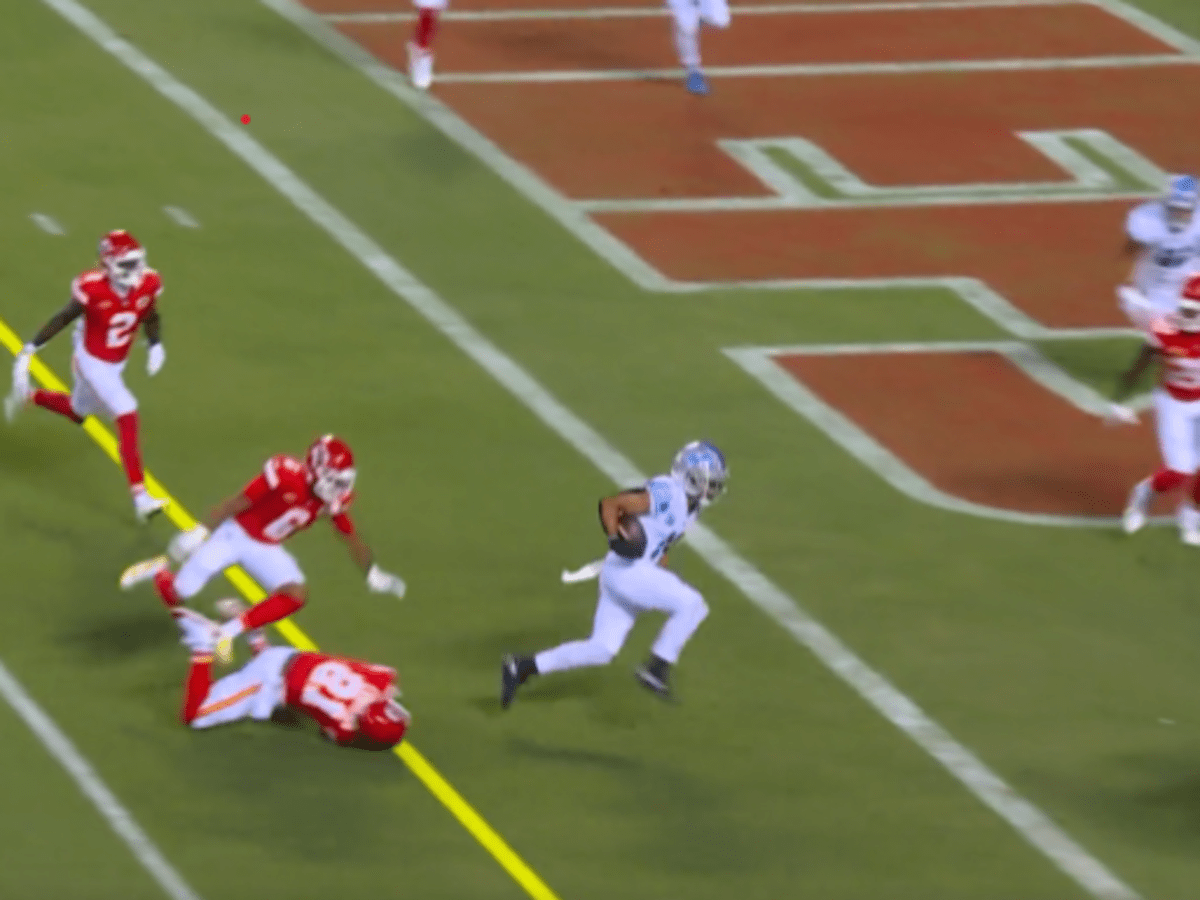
x=152, y=326
x=378, y=581
x=188, y=542
x=633, y=502
x=1129, y=378
x=60, y=320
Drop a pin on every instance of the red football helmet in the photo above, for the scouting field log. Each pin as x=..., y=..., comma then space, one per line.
x=331, y=469
x=384, y=722
x=123, y=258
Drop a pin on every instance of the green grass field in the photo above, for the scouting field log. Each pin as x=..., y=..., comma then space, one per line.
x=1055, y=654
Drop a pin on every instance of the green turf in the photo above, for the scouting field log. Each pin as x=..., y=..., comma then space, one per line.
x=1055, y=654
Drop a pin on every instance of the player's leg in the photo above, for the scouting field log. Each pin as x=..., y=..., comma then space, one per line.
x=663, y=590
x=278, y=573
x=104, y=380
x=685, y=30
x=420, y=48
x=1176, y=445
x=1189, y=509
x=216, y=554
x=250, y=692
x=610, y=627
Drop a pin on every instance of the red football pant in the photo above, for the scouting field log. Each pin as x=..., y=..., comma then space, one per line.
x=57, y=401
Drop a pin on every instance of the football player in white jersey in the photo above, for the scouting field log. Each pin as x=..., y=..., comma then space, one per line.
x=634, y=579
x=1164, y=236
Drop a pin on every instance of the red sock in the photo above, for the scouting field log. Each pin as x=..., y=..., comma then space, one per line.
x=1167, y=480
x=131, y=457
x=427, y=20
x=58, y=402
x=195, y=687
x=274, y=608
x=1196, y=491
x=165, y=582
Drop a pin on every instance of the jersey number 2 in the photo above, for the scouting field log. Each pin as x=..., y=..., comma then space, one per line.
x=120, y=329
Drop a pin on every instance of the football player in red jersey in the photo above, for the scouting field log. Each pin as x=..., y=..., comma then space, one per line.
x=1173, y=341
x=248, y=528
x=352, y=701
x=110, y=302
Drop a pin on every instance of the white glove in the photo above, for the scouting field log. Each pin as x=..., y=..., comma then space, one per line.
x=381, y=582
x=186, y=543
x=198, y=633
x=155, y=358
x=20, y=372
x=1119, y=414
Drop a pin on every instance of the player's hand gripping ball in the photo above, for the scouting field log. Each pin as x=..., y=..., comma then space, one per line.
x=630, y=541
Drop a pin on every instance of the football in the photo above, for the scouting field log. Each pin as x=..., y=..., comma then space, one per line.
x=630, y=528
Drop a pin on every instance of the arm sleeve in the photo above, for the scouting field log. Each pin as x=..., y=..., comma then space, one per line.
x=343, y=523
x=1139, y=226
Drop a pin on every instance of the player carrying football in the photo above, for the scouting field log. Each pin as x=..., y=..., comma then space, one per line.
x=352, y=701
x=248, y=528
x=634, y=578
x=110, y=303
x=1173, y=341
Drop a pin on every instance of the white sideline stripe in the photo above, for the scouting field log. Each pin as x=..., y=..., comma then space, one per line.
x=1156, y=28
x=1029, y=821
x=770, y=204
x=92, y=786
x=820, y=70
x=181, y=217
x=656, y=12
x=47, y=223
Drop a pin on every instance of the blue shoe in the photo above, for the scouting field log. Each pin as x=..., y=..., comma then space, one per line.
x=696, y=82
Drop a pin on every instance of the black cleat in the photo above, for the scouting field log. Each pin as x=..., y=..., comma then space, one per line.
x=655, y=675
x=511, y=678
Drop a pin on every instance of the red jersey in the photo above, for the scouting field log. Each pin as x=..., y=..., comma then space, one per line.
x=110, y=321
x=1180, y=352
x=282, y=502
x=335, y=690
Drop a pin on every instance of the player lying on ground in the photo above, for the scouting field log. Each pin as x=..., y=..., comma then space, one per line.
x=1163, y=236
x=1173, y=342
x=248, y=528
x=352, y=701
x=641, y=526
x=109, y=302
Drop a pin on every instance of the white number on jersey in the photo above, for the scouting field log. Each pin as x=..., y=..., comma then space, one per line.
x=120, y=329
x=279, y=529
x=334, y=688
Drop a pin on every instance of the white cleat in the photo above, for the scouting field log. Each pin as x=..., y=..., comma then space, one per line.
x=1134, y=516
x=1191, y=537
x=420, y=67
x=145, y=506
x=142, y=571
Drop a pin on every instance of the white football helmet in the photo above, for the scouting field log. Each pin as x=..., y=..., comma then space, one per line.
x=124, y=259
x=700, y=468
x=1180, y=201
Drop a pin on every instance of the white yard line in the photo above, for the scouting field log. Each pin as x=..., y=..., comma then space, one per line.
x=654, y=12
x=826, y=70
x=47, y=224
x=1030, y=822
x=92, y=786
x=181, y=217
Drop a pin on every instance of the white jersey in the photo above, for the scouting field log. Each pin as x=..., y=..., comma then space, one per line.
x=668, y=517
x=1171, y=255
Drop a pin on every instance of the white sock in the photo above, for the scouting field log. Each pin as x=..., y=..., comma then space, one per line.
x=687, y=45
x=1189, y=517
x=573, y=655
